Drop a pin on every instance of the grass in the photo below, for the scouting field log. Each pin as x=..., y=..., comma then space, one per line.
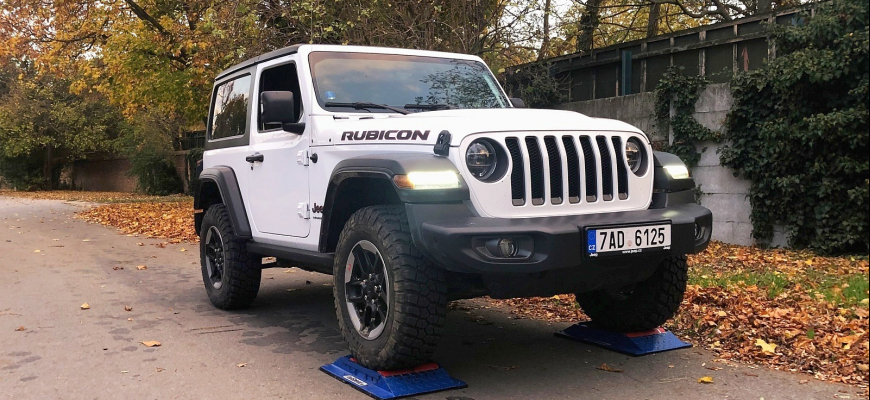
x=843, y=290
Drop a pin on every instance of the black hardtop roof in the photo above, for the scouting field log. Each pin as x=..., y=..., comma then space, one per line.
x=258, y=59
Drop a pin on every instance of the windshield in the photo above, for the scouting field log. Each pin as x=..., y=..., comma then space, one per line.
x=402, y=81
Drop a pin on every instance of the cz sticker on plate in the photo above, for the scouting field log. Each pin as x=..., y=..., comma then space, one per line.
x=627, y=240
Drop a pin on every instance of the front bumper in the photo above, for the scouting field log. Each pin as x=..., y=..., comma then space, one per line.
x=450, y=235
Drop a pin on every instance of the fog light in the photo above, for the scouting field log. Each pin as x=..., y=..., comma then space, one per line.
x=507, y=248
x=698, y=231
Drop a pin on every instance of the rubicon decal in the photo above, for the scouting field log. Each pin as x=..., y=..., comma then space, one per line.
x=405, y=134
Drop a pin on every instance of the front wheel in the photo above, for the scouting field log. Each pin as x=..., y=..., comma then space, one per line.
x=390, y=301
x=231, y=275
x=642, y=306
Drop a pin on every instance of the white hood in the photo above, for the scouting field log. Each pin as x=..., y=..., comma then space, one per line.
x=424, y=127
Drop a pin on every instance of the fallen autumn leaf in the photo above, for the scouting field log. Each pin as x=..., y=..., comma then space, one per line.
x=706, y=379
x=605, y=367
x=767, y=348
x=85, y=306
x=151, y=343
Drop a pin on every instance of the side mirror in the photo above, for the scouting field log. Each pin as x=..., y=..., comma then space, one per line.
x=277, y=107
x=517, y=102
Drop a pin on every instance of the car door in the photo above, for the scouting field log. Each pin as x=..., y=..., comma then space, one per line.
x=278, y=174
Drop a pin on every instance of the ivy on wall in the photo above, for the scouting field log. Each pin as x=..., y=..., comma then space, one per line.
x=798, y=130
x=679, y=92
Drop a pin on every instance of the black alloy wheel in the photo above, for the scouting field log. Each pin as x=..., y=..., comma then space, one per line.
x=366, y=291
x=214, y=257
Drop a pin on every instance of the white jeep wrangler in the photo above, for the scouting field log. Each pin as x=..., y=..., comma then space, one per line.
x=413, y=179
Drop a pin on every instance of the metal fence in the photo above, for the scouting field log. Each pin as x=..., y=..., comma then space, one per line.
x=715, y=51
x=190, y=140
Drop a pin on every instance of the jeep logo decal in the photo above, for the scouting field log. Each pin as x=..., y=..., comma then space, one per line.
x=317, y=209
x=405, y=134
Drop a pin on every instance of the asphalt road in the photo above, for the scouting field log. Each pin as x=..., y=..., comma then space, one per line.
x=51, y=263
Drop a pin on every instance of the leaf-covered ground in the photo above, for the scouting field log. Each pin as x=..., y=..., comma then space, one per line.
x=91, y=197
x=786, y=309
x=172, y=220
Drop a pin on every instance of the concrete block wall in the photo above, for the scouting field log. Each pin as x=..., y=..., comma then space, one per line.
x=722, y=192
x=636, y=109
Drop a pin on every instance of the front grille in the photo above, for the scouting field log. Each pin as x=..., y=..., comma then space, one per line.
x=536, y=169
x=606, y=168
x=591, y=169
x=621, y=174
x=587, y=161
x=573, y=169
x=518, y=186
x=555, y=170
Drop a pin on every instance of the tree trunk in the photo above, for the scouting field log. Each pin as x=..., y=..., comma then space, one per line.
x=652, y=24
x=588, y=24
x=46, y=168
x=543, y=53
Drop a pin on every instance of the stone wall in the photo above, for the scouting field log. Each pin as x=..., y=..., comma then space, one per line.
x=112, y=174
x=722, y=193
x=103, y=175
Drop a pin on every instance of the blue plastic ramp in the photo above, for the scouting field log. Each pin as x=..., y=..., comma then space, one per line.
x=633, y=344
x=426, y=378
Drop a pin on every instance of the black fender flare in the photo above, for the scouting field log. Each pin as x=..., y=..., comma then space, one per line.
x=225, y=179
x=385, y=167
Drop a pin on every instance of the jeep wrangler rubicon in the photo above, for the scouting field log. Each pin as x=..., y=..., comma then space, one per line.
x=413, y=179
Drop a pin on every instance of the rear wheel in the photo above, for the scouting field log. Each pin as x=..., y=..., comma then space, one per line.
x=390, y=301
x=642, y=306
x=231, y=275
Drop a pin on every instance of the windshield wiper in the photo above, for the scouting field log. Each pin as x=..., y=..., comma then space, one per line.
x=430, y=107
x=365, y=106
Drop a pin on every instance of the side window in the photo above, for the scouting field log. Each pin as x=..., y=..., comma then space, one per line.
x=280, y=78
x=230, y=109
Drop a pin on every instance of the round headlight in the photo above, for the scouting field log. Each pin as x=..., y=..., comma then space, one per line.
x=634, y=155
x=481, y=159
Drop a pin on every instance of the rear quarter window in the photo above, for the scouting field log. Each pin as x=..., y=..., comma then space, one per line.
x=230, y=108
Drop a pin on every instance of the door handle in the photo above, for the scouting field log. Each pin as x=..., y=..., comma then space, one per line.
x=254, y=158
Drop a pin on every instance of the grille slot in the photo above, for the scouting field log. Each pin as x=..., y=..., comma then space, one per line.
x=606, y=169
x=555, y=169
x=518, y=185
x=573, y=169
x=536, y=169
x=591, y=169
x=621, y=173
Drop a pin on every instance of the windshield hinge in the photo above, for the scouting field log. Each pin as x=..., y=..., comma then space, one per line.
x=442, y=145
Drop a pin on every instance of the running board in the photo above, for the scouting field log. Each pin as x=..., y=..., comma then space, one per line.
x=319, y=262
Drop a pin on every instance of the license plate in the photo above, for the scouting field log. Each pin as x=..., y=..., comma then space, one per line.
x=627, y=240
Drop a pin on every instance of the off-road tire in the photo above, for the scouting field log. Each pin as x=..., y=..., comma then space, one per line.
x=240, y=279
x=647, y=306
x=417, y=292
